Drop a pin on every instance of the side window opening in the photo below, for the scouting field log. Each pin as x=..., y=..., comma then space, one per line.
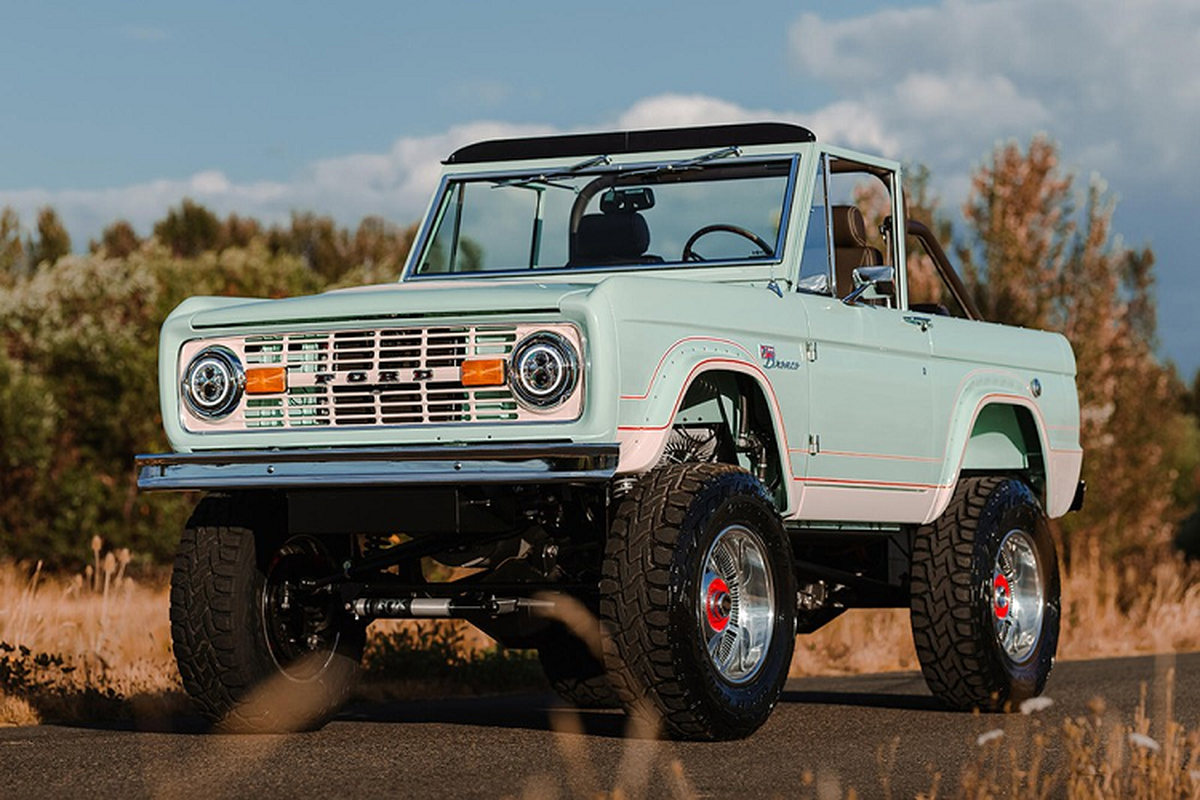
x=860, y=200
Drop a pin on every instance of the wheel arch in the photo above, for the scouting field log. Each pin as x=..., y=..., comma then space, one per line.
x=734, y=395
x=1005, y=436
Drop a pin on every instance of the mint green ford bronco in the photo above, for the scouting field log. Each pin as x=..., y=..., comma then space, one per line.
x=708, y=384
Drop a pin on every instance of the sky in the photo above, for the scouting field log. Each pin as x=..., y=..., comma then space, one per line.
x=119, y=110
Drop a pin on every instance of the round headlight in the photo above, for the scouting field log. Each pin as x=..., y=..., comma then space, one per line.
x=545, y=370
x=213, y=382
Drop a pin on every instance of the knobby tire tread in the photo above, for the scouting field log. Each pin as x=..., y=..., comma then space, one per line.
x=951, y=640
x=204, y=618
x=634, y=594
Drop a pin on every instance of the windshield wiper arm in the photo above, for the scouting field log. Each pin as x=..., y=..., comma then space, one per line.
x=690, y=163
x=548, y=177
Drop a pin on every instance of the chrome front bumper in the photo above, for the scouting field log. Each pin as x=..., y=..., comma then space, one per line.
x=377, y=466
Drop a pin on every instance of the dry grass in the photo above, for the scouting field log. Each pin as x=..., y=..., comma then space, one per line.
x=83, y=646
x=104, y=638
x=1105, y=756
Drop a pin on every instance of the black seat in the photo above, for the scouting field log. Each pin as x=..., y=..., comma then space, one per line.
x=616, y=238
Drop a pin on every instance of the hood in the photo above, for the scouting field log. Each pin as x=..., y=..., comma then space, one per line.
x=400, y=301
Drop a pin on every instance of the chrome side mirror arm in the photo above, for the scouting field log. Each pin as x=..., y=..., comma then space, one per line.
x=872, y=283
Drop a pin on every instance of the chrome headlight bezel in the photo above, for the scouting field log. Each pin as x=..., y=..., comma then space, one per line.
x=543, y=370
x=213, y=383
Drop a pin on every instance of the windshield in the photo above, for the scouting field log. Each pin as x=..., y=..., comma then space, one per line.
x=690, y=214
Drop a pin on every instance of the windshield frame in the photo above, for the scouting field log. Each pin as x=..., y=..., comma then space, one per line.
x=439, y=204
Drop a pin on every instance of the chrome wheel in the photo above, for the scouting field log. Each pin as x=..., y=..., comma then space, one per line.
x=736, y=608
x=1018, y=596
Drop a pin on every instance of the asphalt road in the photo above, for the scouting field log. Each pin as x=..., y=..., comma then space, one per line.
x=826, y=736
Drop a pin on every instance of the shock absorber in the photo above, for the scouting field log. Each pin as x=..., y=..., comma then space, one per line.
x=438, y=607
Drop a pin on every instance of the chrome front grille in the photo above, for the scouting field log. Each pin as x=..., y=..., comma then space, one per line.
x=390, y=376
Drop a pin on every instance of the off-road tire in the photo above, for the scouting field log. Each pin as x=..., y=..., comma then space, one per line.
x=655, y=649
x=952, y=597
x=218, y=631
x=575, y=674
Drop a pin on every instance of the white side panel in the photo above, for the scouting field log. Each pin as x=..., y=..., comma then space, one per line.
x=1063, y=466
x=856, y=503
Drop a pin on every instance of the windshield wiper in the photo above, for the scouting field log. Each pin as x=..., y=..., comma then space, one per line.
x=547, y=178
x=689, y=163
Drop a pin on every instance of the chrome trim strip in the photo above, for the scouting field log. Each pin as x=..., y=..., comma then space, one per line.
x=378, y=466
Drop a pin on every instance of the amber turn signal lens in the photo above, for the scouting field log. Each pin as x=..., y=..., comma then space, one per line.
x=266, y=380
x=483, y=372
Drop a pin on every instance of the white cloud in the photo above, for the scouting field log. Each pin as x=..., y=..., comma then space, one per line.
x=395, y=184
x=849, y=124
x=1117, y=82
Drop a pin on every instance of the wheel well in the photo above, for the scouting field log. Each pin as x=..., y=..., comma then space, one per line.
x=736, y=406
x=1005, y=440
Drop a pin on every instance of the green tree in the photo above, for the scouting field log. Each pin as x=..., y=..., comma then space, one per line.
x=319, y=241
x=190, y=230
x=378, y=252
x=1039, y=258
x=12, y=252
x=53, y=242
x=240, y=231
x=118, y=240
x=79, y=394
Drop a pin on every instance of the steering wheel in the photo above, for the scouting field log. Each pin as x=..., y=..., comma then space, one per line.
x=690, y=255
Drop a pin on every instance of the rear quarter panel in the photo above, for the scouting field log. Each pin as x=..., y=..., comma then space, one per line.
x=976, y=364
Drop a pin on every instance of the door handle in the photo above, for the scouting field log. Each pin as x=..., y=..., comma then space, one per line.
x=924, y=323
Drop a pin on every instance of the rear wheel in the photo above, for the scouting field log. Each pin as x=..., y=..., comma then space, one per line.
x=257, y=651
x=985, y=597
x=698, y=601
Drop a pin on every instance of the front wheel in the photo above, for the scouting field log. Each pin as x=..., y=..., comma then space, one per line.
x=698, y=601
x=574, y=671
x=256, y=649
x=985, y=597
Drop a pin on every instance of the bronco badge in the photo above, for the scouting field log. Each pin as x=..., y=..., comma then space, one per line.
x=767, y=353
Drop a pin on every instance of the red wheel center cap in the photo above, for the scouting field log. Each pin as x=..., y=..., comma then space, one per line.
x=717, y=605
x=1002, y=595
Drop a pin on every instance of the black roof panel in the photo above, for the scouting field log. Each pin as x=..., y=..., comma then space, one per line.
x=642, y=141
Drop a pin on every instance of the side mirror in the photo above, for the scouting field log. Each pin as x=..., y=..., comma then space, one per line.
x=872, y=283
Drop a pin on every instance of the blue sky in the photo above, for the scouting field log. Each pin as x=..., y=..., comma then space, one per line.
x=120, y=110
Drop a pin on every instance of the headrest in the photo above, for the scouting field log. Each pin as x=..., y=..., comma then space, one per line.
x=611, y=236
x=849, y=229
